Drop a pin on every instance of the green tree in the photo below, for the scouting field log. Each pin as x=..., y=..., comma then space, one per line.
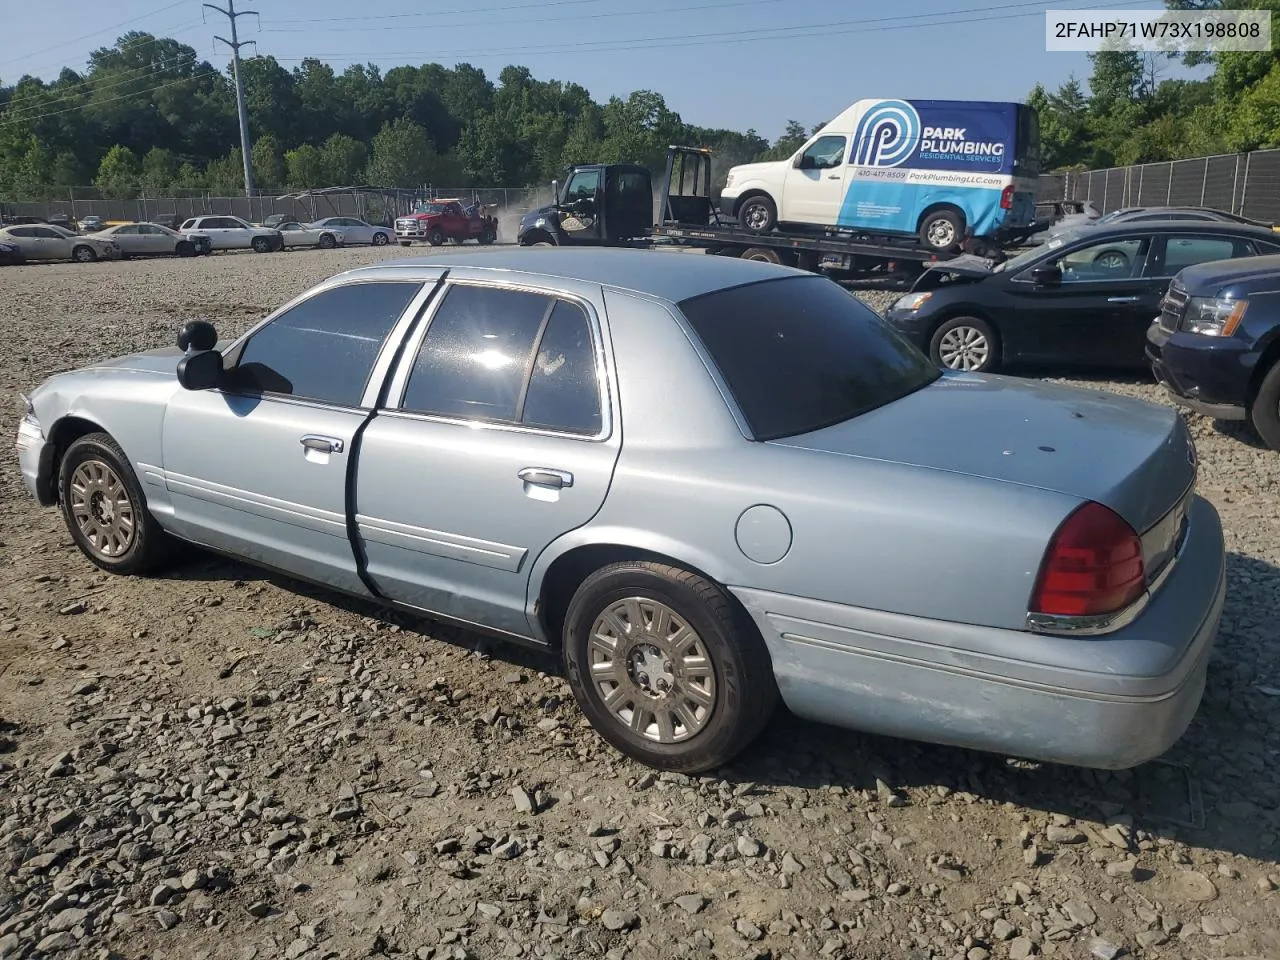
x=343, y=160
x=305, y=168
x=267, y=162
x=119, y=174
x=402, y=156
x=159, y=170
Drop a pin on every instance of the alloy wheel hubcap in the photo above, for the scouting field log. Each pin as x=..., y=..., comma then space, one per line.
x=757, y=216
x=101, y=508
x=964, y=348
x=651, y=670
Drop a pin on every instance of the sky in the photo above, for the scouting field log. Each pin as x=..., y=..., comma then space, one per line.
x=739, y=64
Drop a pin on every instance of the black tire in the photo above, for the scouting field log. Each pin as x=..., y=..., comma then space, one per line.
x=327, y=241
x=83, y=253
x=743, y=691
x=406, y=243
x=261, y=245
x=185, y=248
x=969, y=344
x=147, y=544
x=1265, y=409
x=380, y=239
x=758, y=214
x=942, y=230
x=763, y=254
x=435, y=238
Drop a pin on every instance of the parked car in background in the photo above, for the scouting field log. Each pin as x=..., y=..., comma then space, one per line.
x=1084, y=298
x=273, y=222
x=805, y=507
x=436, y=221
x=296, y=235
x=1142, y=214
x=232, y=233
x=1059, y=216
x=1216, y=344
x=91, y=223
x=47, y=242
x=10, y=253
x=356, y=231
x=153, y=240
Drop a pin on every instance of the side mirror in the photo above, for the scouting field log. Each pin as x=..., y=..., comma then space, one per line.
x=806, y=163
x=197, y=335
x=1047, y=274
x=201, y=370
x=555, y=192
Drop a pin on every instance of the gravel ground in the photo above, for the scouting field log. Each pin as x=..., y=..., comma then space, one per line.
x=219, y=763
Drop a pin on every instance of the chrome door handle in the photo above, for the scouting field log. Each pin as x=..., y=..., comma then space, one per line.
x=546, y=477
x=1123, y=299
x=313, y=441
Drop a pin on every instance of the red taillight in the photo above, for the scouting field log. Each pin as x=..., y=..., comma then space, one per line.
x=1006, y=198
x=1093, y=566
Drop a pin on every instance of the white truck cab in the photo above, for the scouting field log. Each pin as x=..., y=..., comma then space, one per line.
x=939, y=170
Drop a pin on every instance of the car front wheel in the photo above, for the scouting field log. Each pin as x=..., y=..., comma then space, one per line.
x=965, y=343
x=261, y=245
x=84, y=254
x=666, y=668
x=104, y=509
x=1265, y=411
x=380, y=239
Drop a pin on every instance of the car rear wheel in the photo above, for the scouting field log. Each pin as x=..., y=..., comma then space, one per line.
x=84, y=254
x=942, y=230
x=1265, y=411
x=758, y=214
x=965, y=343
x=665, y=667
x=261, y=245
x=104, y=509
x=381, y=240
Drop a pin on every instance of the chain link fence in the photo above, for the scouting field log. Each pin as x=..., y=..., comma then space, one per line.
x=1247, y=184
x=375, y=205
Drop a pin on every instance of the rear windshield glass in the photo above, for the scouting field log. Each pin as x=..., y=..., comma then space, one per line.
x=801, y=353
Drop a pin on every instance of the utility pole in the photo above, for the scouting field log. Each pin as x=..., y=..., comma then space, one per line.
x=235, y=43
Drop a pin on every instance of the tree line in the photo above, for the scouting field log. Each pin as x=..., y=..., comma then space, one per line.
x=148, y=115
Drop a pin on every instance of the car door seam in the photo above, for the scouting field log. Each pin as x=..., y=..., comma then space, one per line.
x=357, y=437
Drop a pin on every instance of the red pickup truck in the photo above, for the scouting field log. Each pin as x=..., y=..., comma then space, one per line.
x=436, y=221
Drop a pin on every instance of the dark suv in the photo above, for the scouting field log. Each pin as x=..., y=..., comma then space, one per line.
x=1216, y=344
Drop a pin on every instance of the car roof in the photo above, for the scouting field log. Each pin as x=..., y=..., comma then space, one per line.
x=1229, y=227
x=665, y=275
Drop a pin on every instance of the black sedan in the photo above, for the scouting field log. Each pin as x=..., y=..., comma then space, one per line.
x=1083, y=298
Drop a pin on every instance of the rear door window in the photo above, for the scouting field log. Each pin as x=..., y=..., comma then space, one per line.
x=801, y=353
x=1187, y=251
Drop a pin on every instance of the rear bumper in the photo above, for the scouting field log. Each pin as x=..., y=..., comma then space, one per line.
x=1206, y=375
x=1108, y=702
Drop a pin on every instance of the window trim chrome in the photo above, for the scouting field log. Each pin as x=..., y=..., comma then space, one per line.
x=408, y=359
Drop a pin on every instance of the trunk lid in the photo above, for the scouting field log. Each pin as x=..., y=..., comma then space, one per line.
x=1132, y=456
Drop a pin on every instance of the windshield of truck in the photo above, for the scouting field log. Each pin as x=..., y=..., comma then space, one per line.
x=429, y=208
x=801, y=354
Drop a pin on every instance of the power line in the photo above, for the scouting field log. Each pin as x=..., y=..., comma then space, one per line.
x=721, y=37
x=137, y=43
x=445, y=13
x=436, y=25
x=195, y=76
x=87, y=36
x=89, y=86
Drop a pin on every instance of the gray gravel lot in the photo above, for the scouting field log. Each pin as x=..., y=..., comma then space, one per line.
x=220, y=763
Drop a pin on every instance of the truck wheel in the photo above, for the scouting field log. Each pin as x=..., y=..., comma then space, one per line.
x=942, y=230
x=762, y=254
x=435, y=238
x=666, y=667
x=758, y=214
x=1265, y=411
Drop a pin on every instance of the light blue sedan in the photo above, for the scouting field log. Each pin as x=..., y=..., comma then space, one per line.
x=710, y=483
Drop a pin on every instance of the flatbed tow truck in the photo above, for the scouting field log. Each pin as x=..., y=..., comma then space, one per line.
x=612, y=205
